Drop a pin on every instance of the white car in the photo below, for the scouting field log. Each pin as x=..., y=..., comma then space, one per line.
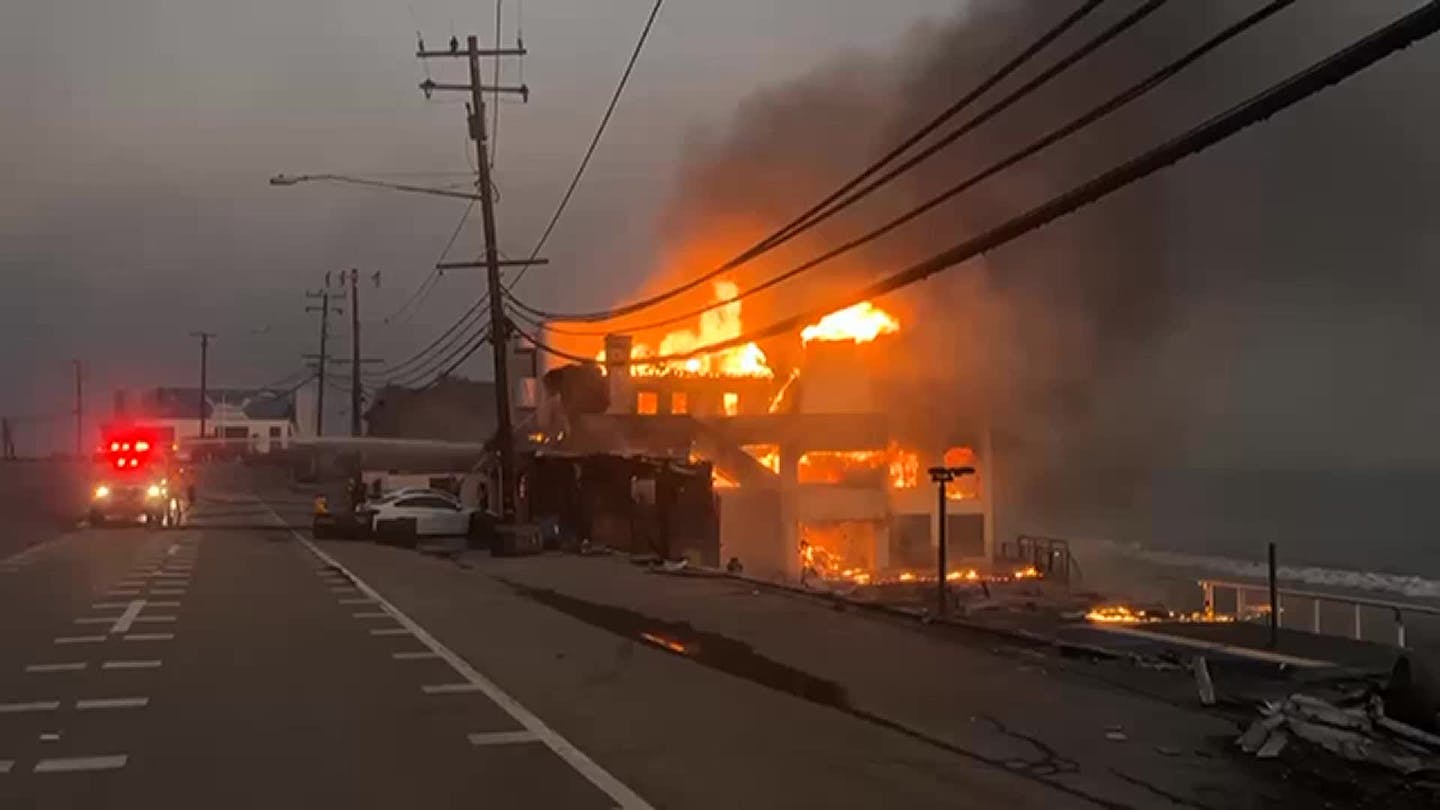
x=434, y=513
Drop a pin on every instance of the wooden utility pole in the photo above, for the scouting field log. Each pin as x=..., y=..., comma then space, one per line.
x=354, y=353
x=499, y=331
x=79, y=410
x=324, y=309
x=204, y=374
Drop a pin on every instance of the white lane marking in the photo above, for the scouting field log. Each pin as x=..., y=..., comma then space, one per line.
x=72, y=667
x=124, y=592
x=68, y=764
x=49, y=736
x=96, y=620
x=6, y=765
x=167, y=591
x=390, y=631
x=109, y=605
x=164, y=604
x=112, y=703
x=32, y=706
x=563, y=748
x=502, y=737
x=150, y=637
x=79, y=639
x=414, y=656
x=357, y=601
x=376, y=614
x=130, y=665
x=161, y=619
x=127, y=618
x=450, y=688
x=346, y=589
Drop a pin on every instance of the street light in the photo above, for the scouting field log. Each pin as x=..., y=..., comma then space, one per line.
x=296, y=179
x=942, y=476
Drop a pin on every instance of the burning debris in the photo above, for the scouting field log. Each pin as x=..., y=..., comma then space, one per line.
x=860, y=323
x=721, y=323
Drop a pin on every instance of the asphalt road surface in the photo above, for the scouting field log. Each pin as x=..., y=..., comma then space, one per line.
x=235, y=663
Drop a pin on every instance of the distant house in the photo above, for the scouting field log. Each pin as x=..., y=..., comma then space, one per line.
x=256, y=420
x=453, y=409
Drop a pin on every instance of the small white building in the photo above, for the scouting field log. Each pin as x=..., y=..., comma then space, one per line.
x=252, y=421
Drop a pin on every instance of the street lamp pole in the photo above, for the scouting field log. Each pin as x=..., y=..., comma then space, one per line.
x=942, y=476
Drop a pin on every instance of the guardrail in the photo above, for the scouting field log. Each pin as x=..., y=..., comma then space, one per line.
x=1049, y=555
x=1316, y=598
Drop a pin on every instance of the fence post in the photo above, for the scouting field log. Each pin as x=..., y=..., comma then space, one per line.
x=1274, y=601
x=1208, y=589
x=1399, y=628
x=1357, y=622
x=1315, y=618
x=1239, y=604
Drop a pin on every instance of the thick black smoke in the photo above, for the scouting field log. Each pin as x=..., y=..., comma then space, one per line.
x=1137, y=335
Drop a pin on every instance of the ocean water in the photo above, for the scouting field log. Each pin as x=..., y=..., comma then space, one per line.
x=1372, y=531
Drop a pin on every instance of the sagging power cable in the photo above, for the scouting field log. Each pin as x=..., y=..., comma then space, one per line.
x=1086, y=119
x=1332, y=70
x=829, y=206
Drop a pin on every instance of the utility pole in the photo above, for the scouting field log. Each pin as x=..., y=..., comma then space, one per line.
x=499, y=331
x=79, y=410
x=204, y=374
x=324, y=309
x=354, y=353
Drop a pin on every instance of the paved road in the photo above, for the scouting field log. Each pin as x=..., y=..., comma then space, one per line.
x=214, y=667
x=234, y=664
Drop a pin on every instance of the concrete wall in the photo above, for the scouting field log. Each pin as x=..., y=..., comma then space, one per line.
x=750, y=530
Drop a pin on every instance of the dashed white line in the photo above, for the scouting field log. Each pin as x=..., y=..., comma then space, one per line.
x=6, y=765
x=375, y=614
x=130, y=665
x=32, y=706
x=357, y=601
x=502, y=737
x=112, y=703
x=618, y=791
x=96, y=620
x=156, y=619
x=68, y=764
x=450, y=688
x=109, y=605
x=149, y=636
x=127, y=618
x=70, y=667
x=390, y=631
x=167, y=591
x=414, y=656
x=162, y=603
x=79, y=639
x=124, y=592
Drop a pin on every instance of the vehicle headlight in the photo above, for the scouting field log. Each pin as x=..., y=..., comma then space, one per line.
x=153, y=491
x=102, y=491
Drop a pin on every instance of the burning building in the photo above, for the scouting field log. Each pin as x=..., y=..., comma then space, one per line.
x=819, y=468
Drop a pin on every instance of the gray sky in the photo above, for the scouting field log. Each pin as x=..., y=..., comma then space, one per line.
x=138, y=138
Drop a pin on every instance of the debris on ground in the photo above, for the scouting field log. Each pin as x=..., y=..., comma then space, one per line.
x=1203, y=684
x=1360, y=733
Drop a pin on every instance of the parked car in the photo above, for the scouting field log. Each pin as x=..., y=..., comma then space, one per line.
x=433, y=513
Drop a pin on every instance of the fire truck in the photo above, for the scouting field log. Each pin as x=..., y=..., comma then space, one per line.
x=134, y=481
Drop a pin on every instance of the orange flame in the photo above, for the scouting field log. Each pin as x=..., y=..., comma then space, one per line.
x=861, y=323
x=721, y=323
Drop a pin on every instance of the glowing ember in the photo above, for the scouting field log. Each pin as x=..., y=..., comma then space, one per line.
x=907, y=576
x=767, y=454
x=1028, y=572
x=720, y=323
x=904, y=468
x=861, y=323
x=1115, y=614
x=668, y=643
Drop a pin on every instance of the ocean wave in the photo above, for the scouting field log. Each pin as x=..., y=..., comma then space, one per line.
x=1318, y=576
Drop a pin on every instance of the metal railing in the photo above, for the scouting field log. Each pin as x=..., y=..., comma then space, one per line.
x=1049, y=555
x=1316, y=598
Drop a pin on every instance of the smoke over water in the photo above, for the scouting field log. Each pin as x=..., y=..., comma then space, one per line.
x=1092, y=346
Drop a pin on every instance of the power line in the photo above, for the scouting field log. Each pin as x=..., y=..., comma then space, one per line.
x=1051, y=138
x=425, y=354
x=434, y=277
x=594, y=142
x=828, y=207
x=1332, y=70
